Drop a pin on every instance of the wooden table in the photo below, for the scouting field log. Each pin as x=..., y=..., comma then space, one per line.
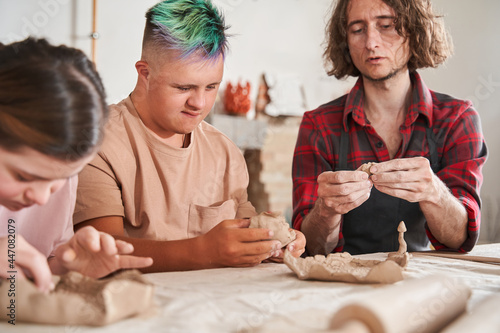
x=270, y=298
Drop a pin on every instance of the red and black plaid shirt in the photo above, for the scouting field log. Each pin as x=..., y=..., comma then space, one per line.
x=456, y=127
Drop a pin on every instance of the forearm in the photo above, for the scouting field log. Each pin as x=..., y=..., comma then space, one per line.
x=446, y=217
x=178, y=255
x=321, y=230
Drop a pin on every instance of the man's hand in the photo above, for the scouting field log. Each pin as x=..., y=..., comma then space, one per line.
x=29, y=259
x=341, y=191
x=232, y=243
x=411, y=179
x=96, y=254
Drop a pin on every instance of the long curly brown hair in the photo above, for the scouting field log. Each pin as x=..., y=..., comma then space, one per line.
x=429, y=42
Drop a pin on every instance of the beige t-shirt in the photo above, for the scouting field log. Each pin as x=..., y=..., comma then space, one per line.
x=163, y=193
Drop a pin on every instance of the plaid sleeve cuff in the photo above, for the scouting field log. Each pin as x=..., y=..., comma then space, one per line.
x=474, y=218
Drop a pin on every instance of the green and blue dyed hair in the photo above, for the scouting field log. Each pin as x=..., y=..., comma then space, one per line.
x=188, y=26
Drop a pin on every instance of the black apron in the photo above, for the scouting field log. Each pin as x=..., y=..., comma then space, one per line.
x=372, y=227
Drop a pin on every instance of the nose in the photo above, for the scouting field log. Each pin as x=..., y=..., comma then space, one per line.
x=373, y=38
x=196, y=100
x=39, y=193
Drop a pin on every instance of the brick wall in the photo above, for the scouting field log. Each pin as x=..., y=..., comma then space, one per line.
x=270, y=168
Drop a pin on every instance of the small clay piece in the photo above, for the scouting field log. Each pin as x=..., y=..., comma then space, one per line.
x=401, y=257
x=402, y=244
x=366, y=167
x=277, y=223
x=343, y=267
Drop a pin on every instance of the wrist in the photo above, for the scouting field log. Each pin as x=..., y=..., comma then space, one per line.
x=322, y=210
x=322, y=218
x=439, y=192
x=203, y=252
x=326, y=213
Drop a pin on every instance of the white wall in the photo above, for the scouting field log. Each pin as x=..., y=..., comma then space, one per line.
x=474, y=73
x=280, y=36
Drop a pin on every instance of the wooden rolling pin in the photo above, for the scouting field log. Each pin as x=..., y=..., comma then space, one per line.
x=483, y=318
x=419, y=305
x=460, y=256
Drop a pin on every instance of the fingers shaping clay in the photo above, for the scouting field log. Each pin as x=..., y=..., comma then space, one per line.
x=80, y=300
x=413, y=306
x=343, y=267
x=277, y=223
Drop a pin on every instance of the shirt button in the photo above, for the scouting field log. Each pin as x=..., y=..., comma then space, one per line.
x=379, y=144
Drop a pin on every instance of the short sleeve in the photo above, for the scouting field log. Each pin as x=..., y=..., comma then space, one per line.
x=98, y=192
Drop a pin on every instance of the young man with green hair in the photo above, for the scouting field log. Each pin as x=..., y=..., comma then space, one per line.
x=165, y=180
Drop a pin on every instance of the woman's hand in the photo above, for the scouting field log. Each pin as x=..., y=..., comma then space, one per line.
x=95, y=254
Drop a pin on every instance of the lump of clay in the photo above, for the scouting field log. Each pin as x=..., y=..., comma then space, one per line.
x=345, y=268
x=277, y=223
x=80, y=300
x=366, y=167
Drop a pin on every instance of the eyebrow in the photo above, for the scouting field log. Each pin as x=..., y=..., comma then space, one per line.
x=380, y=17
x=36, y=177
x=26, y=174
x=194, y=85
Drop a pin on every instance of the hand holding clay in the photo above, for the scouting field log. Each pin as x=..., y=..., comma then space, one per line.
x=96, y=254
x=231, y=243
x=411, y=179
x=27, y=258
x=340, y=192
x=277, y=223
x=292, y=239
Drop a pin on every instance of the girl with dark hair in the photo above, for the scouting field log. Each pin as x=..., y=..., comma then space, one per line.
x=52, y=114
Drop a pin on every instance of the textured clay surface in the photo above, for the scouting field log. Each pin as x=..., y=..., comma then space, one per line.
x=345, y=268
x=277, y=223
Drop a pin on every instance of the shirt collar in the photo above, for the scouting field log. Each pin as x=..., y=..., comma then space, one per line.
x=421, y=103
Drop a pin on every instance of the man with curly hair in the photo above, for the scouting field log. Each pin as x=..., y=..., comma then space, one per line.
x=165, y=180
x=428, y=147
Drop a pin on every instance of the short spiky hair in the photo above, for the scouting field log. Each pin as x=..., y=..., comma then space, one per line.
x=430, y=44
x=188, y=26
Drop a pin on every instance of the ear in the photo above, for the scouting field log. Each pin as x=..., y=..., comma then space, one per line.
x=142, y=68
